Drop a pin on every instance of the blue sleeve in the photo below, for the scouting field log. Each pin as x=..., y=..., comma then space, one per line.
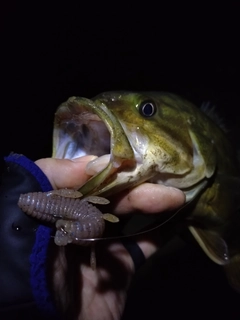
x=25, y=250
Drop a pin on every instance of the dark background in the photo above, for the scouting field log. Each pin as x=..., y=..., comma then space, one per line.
x=49, y=53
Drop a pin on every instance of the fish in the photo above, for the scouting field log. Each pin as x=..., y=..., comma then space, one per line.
x=162, y=138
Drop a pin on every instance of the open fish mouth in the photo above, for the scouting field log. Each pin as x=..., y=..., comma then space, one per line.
x=84, y=127
x=79, y=132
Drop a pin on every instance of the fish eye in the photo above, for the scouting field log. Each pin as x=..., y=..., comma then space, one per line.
x=147, y=108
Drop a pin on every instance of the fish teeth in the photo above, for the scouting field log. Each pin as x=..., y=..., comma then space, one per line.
x=97, y=165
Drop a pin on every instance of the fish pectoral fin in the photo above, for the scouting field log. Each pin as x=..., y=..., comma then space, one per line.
x=232, y=270
x=212, y=244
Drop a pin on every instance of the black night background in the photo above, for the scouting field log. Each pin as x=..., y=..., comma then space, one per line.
x=49, y=53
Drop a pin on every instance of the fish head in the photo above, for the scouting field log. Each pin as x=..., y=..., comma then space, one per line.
x=137, y=137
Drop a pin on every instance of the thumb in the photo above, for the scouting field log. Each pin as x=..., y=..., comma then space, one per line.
x=65, y=173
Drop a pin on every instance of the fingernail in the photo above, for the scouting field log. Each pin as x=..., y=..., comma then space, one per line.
x=85, y=158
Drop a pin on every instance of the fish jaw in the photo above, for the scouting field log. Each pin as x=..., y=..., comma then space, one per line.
x=119, y=164
x=83, y=127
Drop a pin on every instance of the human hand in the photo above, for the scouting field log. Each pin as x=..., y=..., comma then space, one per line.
x=101, y=293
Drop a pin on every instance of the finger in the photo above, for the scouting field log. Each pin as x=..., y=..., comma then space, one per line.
x=149, y=198
x=65, y=173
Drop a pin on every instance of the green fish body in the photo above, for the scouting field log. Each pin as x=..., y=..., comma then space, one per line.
x=161, y=138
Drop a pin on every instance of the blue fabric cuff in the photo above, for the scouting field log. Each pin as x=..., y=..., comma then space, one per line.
x=38, y=258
